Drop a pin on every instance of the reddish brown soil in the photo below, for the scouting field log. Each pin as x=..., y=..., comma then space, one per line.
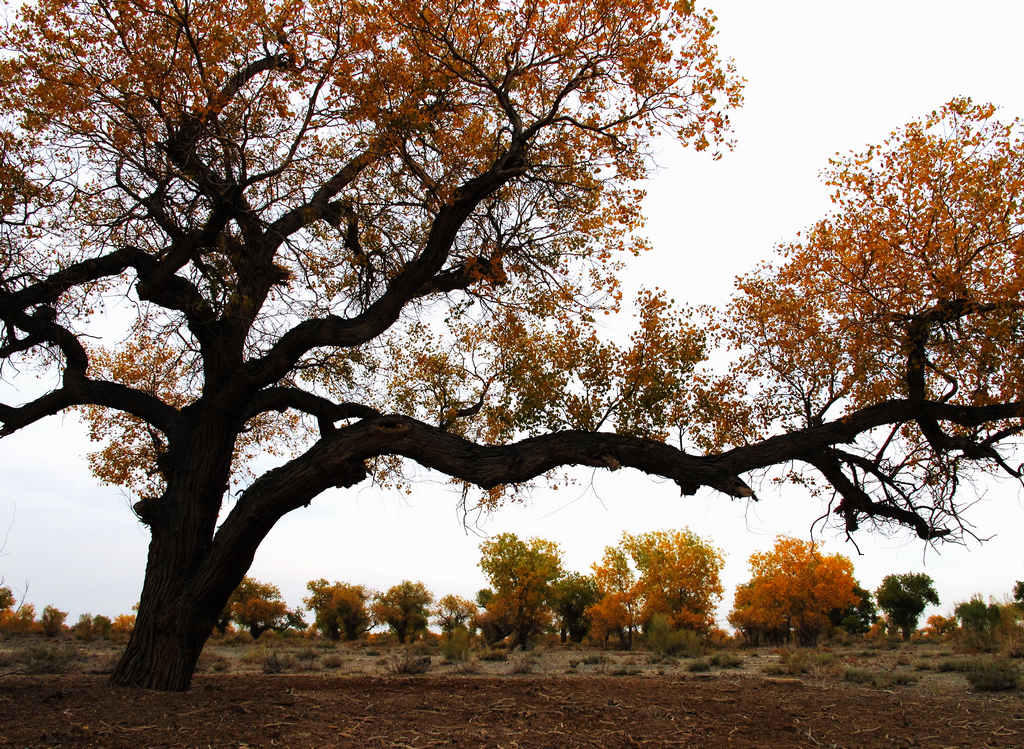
x=526, y=711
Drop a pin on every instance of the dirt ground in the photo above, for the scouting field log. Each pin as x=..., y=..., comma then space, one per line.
x=317, y=710
x=327, y=695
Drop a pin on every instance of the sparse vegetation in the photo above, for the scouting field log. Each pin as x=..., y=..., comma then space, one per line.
x=993, y=675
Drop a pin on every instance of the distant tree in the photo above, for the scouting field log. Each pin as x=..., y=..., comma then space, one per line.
x=979, y=622
x=452, y=612
x=52, y=621
x=494, y=622
x=903, y=598
x=858, y=617
x=82, y=629
x=294, y=620
x=674, y=573
x=938, y=626
x=122, y=626
x=571, y=595
x=101, y=626
x=793, y=590
x=256, y=606
x=19, y=620
x=404, y=608
x=678, y=576
x=521, y=574
x=619, y=609
x=1018, y=593
x=15, y=618
x=339, y=608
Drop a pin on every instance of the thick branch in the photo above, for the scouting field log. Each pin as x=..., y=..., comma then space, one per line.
x=86, y=392
x=326, y=412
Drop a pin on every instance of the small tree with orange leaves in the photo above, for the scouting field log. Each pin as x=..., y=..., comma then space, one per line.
x=254, y=605
x=674, y=573
x=618, y=610
x=792, y=591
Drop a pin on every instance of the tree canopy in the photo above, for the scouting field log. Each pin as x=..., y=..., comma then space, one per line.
x=903, y=598
x=522, y=573
x=792, y=592
x=353, y=236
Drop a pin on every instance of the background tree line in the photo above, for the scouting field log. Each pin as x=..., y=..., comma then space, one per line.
x=661, y=586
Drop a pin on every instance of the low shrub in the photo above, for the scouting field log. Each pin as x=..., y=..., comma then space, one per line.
x=859, y=676
x=961, y=665
x=275, y=663
x=455, y=645
x=470, y=666
x=493, y=654
x=47, y=659
x=241, y=637
x=666, y=641
x=879, y=679
x=698, y=665
x=524, y=664
x=332, y=660
x=993, y=676
x=210, y=662
x=726, y=660
x=407, y=662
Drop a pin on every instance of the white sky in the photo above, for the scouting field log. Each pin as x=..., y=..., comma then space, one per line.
x=823, y=77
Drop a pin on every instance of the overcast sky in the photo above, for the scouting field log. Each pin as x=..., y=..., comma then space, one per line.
x=822, y=77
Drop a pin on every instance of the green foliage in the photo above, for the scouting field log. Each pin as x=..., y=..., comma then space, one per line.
x=726, y=660
x=52, y=621
x=664, y=640
x=858, y=618
x=698, y=665
x=455, y=645
x=101, y=626
x=295, y=621
x=903, y=598
x=571, y=596
x=6, y=598
x=979, y=624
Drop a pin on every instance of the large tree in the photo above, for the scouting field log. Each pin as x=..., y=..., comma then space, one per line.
x=361, y=233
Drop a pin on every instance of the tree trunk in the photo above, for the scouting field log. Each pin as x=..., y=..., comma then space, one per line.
x=171, y=628
x=186, y=586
